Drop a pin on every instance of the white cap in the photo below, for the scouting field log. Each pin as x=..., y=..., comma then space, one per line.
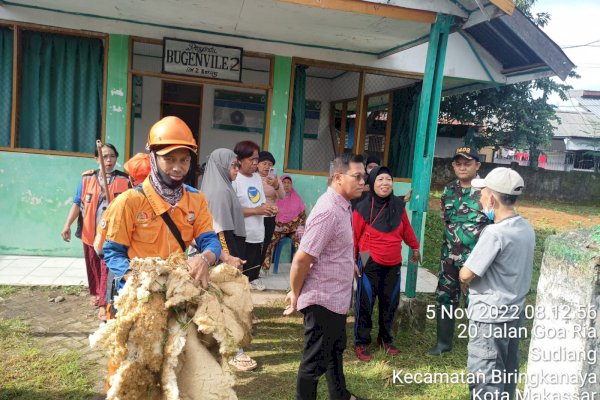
x=501, y=180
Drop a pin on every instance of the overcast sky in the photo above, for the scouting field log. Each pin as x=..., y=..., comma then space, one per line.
x=576, y=23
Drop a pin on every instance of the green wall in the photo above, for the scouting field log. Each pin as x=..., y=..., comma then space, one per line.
x=37, y=192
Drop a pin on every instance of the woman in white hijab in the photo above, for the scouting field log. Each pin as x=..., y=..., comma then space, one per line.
x=228, y=219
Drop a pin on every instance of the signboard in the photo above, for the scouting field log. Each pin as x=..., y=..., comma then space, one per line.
x=202, y=60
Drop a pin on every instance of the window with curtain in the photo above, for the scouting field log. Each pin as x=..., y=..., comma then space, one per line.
x=61, y=92
x=6, y=67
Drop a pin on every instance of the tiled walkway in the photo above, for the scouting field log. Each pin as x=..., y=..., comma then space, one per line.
x=33, y=270
x=68, y=271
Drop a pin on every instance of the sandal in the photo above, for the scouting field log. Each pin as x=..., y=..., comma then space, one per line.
x=243, y=362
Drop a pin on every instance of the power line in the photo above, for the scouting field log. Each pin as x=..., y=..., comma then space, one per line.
x=581, y=45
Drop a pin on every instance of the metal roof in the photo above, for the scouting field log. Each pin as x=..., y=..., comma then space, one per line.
x=577, y=122
x=520, y=46
x=588, y=99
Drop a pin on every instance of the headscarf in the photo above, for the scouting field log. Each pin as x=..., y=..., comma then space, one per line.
x=290, y=206
x=222, y=200
x=382, y=213
x=171, y=191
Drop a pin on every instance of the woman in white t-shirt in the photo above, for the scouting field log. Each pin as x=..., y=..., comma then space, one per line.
x=250, y=192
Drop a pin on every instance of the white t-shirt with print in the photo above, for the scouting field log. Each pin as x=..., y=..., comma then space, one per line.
x=251, y=194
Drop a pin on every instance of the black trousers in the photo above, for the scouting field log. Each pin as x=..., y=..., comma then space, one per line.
x=269, y=229
x=376, y=282
x=253, y=260
x=324, y=343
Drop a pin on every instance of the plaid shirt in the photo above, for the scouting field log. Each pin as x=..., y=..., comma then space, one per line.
x=328, y=238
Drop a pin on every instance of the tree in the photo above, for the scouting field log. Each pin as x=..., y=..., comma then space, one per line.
x=516, y=115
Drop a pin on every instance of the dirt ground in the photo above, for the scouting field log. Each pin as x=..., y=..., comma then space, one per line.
x=544, y=217
x=65, y=326
x=559, y=220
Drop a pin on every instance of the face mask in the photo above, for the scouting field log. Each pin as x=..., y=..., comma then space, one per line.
x=489, y=213
x=166, y=179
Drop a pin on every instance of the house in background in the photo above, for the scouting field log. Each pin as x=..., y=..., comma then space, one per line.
x=305, y=79
x=576, y=136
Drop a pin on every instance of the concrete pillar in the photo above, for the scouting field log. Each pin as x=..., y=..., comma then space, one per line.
x=279, y=109
x=563, y=351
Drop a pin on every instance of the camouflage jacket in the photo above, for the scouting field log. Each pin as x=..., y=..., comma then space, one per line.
x=463, y=221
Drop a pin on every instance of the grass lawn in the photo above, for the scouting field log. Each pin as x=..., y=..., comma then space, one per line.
x=27, y=373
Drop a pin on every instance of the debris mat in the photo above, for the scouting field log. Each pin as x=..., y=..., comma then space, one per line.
x=171, y=339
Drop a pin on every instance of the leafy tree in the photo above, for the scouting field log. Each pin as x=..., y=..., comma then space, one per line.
x=516, y=115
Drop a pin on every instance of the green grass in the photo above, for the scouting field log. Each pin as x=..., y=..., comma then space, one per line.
x=27, y=373
x=72, y=290
x=7, y=290
x=434, y=230
x=277, y=347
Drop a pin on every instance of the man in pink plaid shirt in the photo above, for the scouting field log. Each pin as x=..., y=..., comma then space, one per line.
x=321, y=282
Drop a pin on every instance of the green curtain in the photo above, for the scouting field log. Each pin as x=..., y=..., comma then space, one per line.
x=298, y=115
x=61, y=92
x=405, y=112
x=6, y=58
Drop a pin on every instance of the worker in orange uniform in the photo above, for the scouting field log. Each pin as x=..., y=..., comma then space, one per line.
x=88, y=206
x=138, y=168
x=137, y=224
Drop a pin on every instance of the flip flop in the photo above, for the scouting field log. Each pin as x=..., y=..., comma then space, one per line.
x=243, y=362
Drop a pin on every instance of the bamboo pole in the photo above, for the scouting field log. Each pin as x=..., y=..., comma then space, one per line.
x=99, y=146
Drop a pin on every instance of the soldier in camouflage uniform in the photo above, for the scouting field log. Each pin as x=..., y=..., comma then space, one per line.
x=464, y=220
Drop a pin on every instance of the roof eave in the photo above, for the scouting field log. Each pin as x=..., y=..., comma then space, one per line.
x=539, y=43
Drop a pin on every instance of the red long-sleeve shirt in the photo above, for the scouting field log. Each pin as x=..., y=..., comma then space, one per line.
x=385, y=247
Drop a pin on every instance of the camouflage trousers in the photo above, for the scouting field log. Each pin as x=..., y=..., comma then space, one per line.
x=448, y=287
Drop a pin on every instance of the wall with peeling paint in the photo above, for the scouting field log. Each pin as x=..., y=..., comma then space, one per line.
x=37, y=191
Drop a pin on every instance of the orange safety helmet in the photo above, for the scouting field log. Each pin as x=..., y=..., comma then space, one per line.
x=138, y=168
x=173, y=133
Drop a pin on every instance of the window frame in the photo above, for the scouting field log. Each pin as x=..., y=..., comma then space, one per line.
x=361, y=101
x=17, y=28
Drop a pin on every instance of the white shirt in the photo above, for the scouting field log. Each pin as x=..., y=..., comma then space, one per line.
x=251, y=194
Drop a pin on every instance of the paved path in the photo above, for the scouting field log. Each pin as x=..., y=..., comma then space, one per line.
x=69, y=271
